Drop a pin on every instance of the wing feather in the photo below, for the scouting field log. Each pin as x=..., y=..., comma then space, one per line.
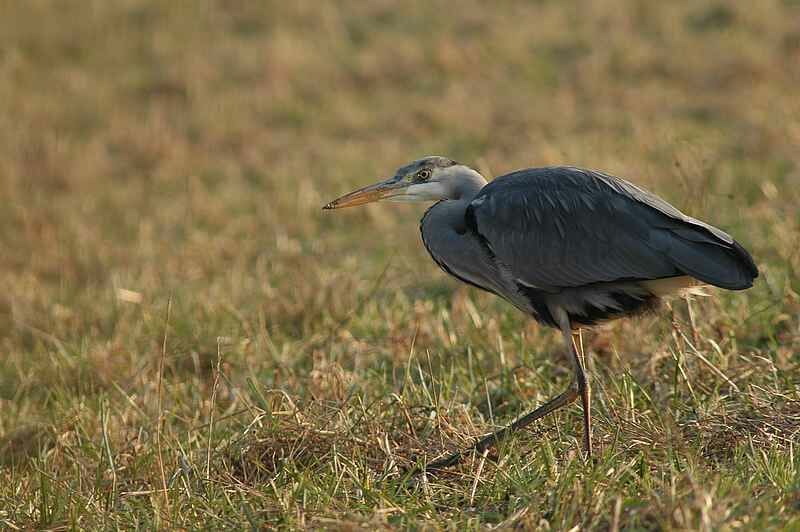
x=560, y=227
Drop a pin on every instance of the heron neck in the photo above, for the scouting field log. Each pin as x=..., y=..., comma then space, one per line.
x=469, y=186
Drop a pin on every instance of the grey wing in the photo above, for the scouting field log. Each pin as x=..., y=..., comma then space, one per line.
x=560, y=227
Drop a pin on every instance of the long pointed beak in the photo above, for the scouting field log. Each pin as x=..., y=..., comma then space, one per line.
x=378, y=191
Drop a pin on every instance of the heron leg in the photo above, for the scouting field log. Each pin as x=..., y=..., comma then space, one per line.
x=565, y=398
x=580, y=376
x=586, y=400
x=578, y=387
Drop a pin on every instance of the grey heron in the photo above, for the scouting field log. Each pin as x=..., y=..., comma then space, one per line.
x=568, y=246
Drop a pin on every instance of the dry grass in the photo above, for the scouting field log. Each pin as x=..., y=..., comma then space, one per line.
x=168, y=155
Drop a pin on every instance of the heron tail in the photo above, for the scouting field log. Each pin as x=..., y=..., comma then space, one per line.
x=710, y=259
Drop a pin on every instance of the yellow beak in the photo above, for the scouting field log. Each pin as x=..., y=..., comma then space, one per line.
x=378, y=191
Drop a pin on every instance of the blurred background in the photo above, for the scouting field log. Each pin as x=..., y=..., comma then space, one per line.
x=177, y=154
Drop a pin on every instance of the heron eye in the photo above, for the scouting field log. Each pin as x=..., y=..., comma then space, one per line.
x=423, y=175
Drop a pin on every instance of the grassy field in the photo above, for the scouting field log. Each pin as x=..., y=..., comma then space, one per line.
x=188, y=341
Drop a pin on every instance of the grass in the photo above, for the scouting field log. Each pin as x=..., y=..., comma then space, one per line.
x=189, y=342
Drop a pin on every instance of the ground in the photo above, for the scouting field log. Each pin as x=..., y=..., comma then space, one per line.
x=189, y=341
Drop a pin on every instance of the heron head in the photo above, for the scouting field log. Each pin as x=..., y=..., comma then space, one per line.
x=431, y=178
